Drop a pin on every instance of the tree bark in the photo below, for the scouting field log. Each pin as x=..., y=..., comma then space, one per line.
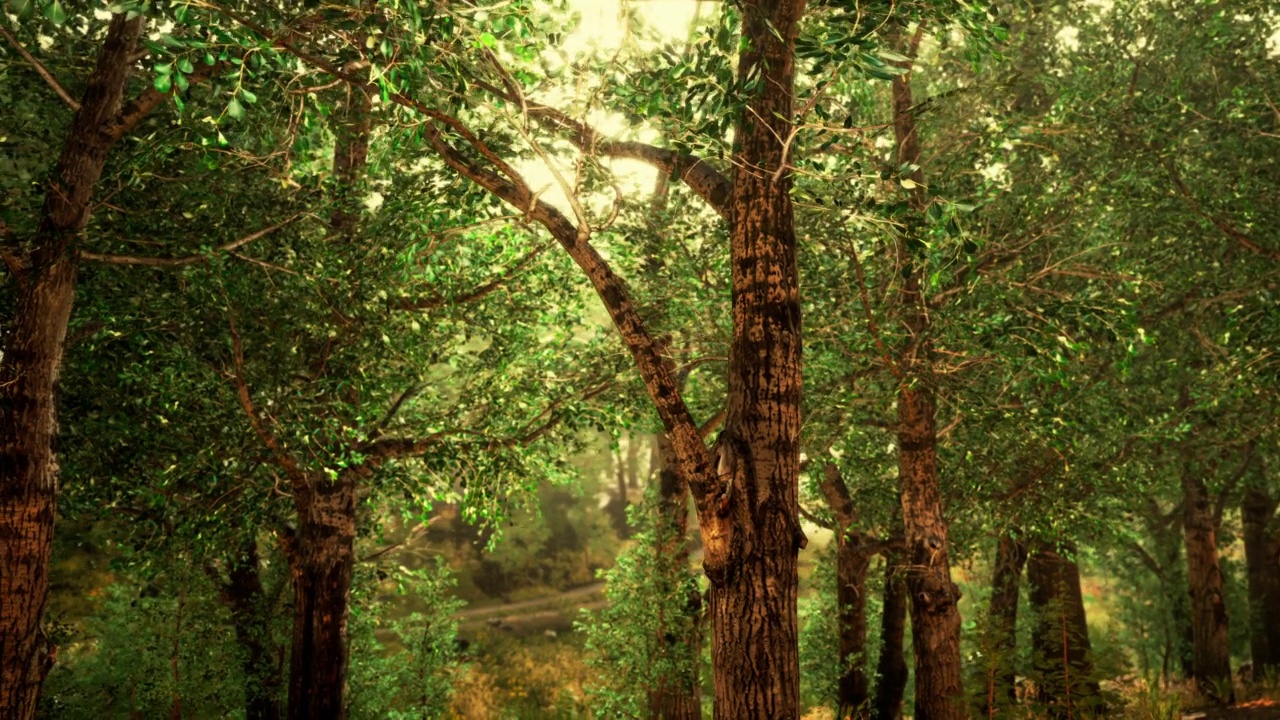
x=935, y=615
x=29, y=367
x=854, y=550
x=753, y=589
x=1262, y=560
x=892, y=666
x=1211, y=661
x=1060, y=644
x=251, y=614
x=322, y=559
x=1011, y=556
x=322, y=552
x=678, y=698
x=746, y=492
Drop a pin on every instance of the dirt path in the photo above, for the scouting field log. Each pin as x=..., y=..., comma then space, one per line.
x=567, y=596
x=556, y=612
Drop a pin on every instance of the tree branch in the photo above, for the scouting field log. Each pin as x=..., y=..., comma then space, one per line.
x=1222, y=224
x=283, y=459
x=186, y=259
x=133, y=112
x=477, y=293
x=837, y=494
x=40, y=69
x=702, y=178
x=691, y=452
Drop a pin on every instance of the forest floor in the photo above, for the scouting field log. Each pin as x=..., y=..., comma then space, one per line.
x=1255, y=710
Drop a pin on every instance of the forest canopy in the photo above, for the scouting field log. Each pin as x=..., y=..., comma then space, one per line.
x=639, y=358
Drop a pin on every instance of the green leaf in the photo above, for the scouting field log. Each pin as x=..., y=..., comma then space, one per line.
x=163, y=82
x=23, y=8
x=235, y=109
x=55, y=13
x=248, y=96
x=185, y=65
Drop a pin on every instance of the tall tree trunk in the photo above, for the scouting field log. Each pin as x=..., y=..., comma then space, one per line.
x=854, y=550
x=251, y=615
x=1002, y=620
x=892, y=666
x=1211, y=663
x=1166, y=531
x=617, y=505
x=321, y=558
x=1060, y=642
x=322, y=553
x=746, y=492
x=754, y=585
x=29, y=367
x=1262, y=559
x=677, y=698
x=935, y=614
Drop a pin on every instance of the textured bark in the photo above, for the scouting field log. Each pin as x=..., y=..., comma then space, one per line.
x=1011, y=556
x=854, y=550
x=1060, y=643
x=1262, y=559
x=892, y=666
x=753, y=593
x=322, y=552
x=935, y=615
x=676, y=698
x=251, y=614
x=746, y=492
x=321, y=558
x=29, y=369
x=1211, y=661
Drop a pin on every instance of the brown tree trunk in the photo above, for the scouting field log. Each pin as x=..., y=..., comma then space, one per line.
x=251, y=614
x=746, y=492
x=1060, y=643
x=754, y=578
x=854, y=550
x=892, y=666
x=1011, y=556
x=1262, y=559
x=1211, y=661
x=29, y=367
x=935, y=615
x=678, y=698
x=321, y=558
x=617, y=505
x=322, y=552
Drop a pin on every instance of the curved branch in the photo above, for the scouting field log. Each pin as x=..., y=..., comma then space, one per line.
x=703, y=179
x=691, y=452
x=186, y=259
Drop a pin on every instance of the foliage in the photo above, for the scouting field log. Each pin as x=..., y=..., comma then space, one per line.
x=646, y=637
x=404, y=667
x=154, y=644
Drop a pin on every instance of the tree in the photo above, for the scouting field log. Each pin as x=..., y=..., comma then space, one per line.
x=45, y=270
x=747, y=496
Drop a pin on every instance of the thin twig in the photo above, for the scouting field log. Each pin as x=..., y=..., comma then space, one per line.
x=41, y=70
